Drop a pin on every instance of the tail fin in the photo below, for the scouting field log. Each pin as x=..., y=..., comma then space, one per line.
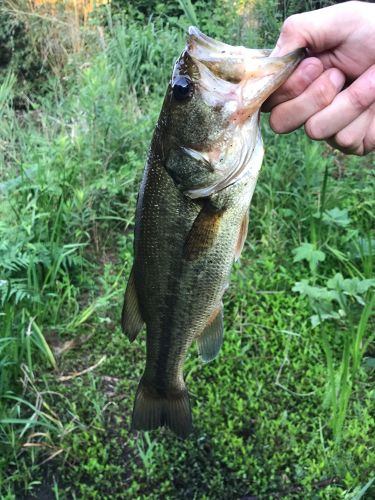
x=152, y=411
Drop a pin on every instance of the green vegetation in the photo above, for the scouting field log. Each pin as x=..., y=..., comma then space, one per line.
x=287, y=409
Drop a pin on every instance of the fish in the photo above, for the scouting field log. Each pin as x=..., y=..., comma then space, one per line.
x=192, y=214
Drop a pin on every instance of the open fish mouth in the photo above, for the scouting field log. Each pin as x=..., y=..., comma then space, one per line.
x=235, y=80
x=247, y=76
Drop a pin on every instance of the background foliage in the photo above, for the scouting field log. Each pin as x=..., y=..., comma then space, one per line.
x=287, y=410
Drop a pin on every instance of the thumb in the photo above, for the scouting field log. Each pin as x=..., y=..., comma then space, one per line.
x=318, y=30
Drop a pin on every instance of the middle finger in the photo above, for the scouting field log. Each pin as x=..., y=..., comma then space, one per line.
x=290, y=115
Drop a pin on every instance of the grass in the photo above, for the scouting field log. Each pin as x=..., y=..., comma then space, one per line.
x=287, y=409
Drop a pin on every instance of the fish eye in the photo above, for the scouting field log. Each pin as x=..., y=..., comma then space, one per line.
x=182, y=88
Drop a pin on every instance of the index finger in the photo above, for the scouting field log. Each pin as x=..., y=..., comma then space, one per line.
x=307, y=71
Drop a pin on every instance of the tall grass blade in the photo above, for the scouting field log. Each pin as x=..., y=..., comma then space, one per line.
x=189, y=11
x=40, y=341
x=363, y=491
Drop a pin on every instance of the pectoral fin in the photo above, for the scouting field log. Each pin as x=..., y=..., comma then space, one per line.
x=131, y=319
x=242, y=236
x=202, y=233
x=211, y=339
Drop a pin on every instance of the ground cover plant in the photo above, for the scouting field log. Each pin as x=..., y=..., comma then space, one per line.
x=287, y=409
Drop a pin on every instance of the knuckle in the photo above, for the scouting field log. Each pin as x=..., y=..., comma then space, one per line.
x=290, y=25
x=291, y=90
x=324, y=92
x=313, y=130
x=347, y=141
x=358, y=98
x=299, y=85
x=280, y=120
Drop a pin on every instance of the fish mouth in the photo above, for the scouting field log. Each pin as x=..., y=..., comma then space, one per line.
x=253, y=73
x=234, y=81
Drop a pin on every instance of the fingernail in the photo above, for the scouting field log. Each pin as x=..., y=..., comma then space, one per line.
x=337, y=78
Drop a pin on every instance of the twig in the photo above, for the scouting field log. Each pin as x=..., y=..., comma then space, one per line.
x=63, y=378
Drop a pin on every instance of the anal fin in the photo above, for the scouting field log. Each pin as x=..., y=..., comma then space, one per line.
x=131, y=319
x=211, y=339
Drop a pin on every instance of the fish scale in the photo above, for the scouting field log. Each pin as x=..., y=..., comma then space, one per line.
x=192, y=214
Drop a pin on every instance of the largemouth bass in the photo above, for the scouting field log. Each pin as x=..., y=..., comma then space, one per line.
x=192, y=214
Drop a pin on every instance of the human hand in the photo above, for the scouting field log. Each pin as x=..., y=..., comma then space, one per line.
x=332, y=92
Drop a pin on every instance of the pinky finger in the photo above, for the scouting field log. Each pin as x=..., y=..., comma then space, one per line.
x=358, y=137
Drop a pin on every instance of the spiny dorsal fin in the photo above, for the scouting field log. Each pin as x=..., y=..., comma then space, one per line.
x=242, y=236
x=211, y=339
x=203, y=232
x=131, y=320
